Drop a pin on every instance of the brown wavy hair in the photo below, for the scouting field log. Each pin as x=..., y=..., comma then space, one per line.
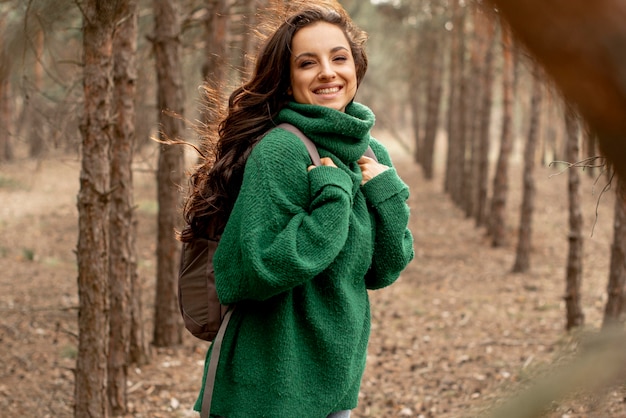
x=251, y=111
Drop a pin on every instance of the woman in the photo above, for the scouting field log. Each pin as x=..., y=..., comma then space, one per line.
x=300, y=245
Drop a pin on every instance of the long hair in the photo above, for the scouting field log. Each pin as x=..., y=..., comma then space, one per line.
x=251, y=111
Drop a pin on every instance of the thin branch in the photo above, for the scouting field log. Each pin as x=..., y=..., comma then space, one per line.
x=82, y=11
x=588, y=163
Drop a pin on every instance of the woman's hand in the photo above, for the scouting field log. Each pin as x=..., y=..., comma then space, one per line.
x=370, y=168
x=325, y=161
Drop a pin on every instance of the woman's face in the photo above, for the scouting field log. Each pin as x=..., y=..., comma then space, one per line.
x=322, y=67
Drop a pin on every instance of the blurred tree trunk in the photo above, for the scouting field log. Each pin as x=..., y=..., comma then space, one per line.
x=461, y=152
x=418, y=50
x=590, y=151
x=615, y=306
x=243, y=20
x=248, y=45
x=6, y=107
x=522, y=255
x=122, y=261
x=497, y=225
x=37, y=132
x=93, y=208
x=554, y=144
x=250, y=40
x=6, y=118
x=455, y=155
x=214, y=70
x=433, y=102
x=476, y=56
x=575, y=316
x=167, y=48
x=484, y=24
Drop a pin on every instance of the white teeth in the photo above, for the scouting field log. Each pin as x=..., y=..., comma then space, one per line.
x=327, y=91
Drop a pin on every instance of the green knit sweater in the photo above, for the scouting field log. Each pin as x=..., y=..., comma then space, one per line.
x=297, y=256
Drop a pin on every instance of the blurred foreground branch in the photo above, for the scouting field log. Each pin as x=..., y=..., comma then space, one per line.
x=599, y=364
x=581, y=46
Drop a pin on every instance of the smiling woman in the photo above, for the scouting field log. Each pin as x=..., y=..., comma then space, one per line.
x=300, y=245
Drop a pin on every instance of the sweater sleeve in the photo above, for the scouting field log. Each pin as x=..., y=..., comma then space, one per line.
x=387, y=194
x=277, y=236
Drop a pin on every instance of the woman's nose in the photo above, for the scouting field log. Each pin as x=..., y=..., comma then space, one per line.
x=326, y=72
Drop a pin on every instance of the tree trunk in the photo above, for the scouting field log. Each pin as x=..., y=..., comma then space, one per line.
x=497, y=226
x=473, y=103
x=6, y=104
x=615, y=305
x=93, y=209
x=522, y=255
x=415, y=77
x=456, y=150
x=37, y=133
x=487, y=27
x=167, y=48
x=463, y=154
x=243, y=19
x=248, y=45
x=216, y=52
x=433, y=104
x=122, y=261
x=139, y=353
x=575, y=316
x=6, y=119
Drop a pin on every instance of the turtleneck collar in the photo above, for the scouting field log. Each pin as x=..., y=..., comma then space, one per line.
x=344, y=134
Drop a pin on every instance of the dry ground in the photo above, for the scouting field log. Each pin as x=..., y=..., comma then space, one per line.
x=454, y=333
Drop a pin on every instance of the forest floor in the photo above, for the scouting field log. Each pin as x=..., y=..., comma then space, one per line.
x=457, y=332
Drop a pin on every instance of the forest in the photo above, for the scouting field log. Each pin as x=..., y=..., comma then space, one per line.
x=505, y=118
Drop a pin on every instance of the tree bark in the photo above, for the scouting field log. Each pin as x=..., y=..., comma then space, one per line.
x=455, y=155
x=167, y=47
x=473, y=103
x=522, y=255
x=573, y=279
x=486, y=25
x=93, y=208
x=497, y=226
x=433, y=103
x=122, y=261
x=616, y=290
x=6, y=106
x=414, y=84
x=248, y=45
x=214, y=72
x=6, y=119
x=37, y=133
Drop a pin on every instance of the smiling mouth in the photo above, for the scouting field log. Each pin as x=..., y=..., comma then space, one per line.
x=329, y=90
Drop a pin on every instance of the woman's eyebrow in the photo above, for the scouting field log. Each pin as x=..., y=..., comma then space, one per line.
x=311, y=54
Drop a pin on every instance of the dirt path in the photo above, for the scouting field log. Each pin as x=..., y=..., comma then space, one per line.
x=454, y=331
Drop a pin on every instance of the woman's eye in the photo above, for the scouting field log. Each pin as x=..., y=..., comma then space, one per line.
x=340, y=58
x=307, y=63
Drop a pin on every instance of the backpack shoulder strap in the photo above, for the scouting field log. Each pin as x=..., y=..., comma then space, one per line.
x=209, y=383
x=310, y=146
x=370, y=153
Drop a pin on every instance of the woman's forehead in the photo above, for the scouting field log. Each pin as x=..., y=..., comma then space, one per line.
x=319, y=37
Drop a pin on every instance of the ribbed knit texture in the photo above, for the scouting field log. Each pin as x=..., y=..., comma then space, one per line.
x=297, y=256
